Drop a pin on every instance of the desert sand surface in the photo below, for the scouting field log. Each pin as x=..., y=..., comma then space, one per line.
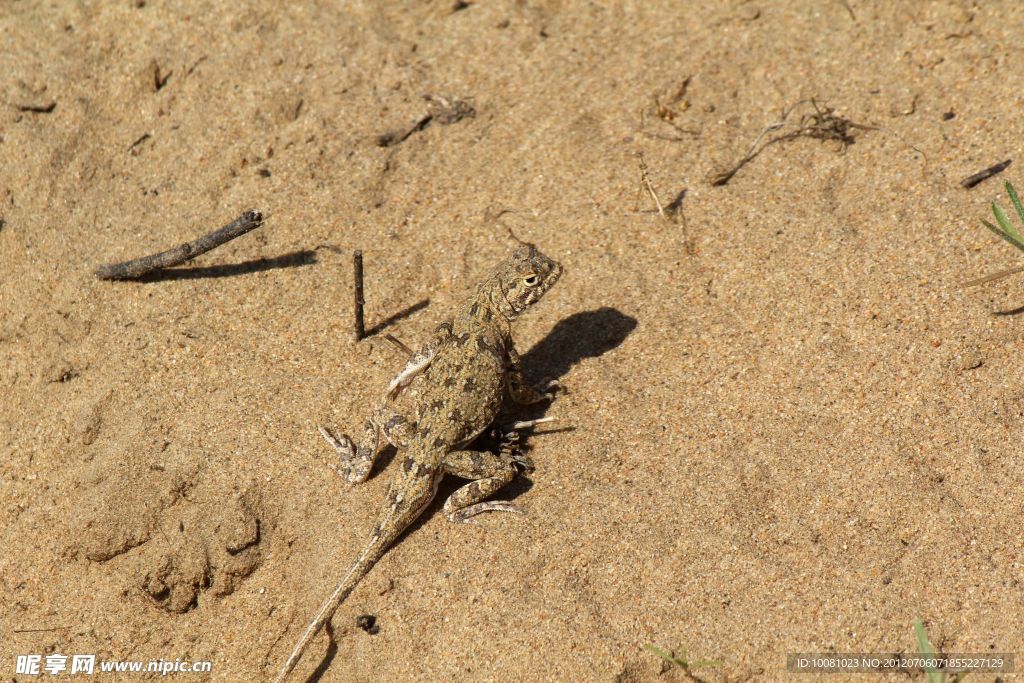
x=786, y=426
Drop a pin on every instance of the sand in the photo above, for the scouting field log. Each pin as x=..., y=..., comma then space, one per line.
x=786, y=426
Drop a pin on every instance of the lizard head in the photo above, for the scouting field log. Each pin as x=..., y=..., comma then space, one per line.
x=521, y=280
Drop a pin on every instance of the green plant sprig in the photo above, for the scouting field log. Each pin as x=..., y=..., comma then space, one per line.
x=681, y=661
x=1005, y=230
x=935, y=676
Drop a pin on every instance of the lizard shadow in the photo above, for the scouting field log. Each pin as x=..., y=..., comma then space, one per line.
x=583, y=335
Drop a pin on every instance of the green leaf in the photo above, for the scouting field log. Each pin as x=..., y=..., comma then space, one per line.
x=1005, y=223
x=926, y=650
x=701, y=663
x=668, y=657
x=1017, y=242
x=1015, y=199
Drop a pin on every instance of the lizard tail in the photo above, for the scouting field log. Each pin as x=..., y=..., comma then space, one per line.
x=373, y=552
x=409, y=494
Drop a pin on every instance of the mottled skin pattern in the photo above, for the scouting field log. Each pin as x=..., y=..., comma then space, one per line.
x=449, y=392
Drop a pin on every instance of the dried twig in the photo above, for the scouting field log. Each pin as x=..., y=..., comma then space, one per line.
x=358, y=326
x=41, y=630
x=645, y=183
x=398, y=344
x=972, y=180
x=513, y=236
x=822, y=124
x=667, y=113
x=993, y=277
x=136, y=268
x=38, y=108
x=441, y=110
x=133, y=147
x=724, y=177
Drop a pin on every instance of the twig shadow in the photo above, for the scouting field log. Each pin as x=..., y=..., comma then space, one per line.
x=401, y=315
x=1011, y=311
x=293, y=259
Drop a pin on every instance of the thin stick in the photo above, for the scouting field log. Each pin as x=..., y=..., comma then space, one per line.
x=972, y=180
x=512, y=234
x=645, y=180
x=136, y=268
x=358, y=326
x=724, y=177
x=398, y=344
x=994, y=276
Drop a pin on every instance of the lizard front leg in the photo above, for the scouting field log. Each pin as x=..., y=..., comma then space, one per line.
x=419, y=361
x=489, y=473
x=356, y=462
x=521, y=392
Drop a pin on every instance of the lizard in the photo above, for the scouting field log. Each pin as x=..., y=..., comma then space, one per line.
x=449, y=392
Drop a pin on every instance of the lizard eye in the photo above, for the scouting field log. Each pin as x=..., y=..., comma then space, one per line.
x=531, y=280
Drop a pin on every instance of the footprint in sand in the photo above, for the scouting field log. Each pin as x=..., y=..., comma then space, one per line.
x=173, y=528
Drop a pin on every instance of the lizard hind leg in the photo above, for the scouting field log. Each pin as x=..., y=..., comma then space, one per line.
x=489, y=473
x=357, y=461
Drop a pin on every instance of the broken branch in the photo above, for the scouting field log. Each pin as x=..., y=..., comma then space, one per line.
x=136, y=268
